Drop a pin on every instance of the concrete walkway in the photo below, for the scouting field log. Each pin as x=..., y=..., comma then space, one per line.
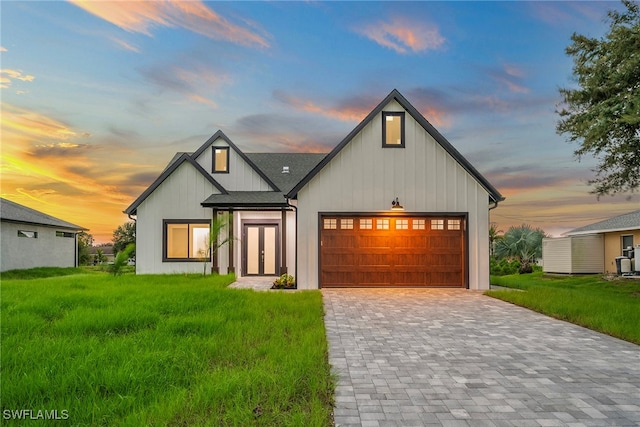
x=412, y=357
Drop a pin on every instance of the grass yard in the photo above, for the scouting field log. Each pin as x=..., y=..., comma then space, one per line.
x=163, y=350
x=611, y=307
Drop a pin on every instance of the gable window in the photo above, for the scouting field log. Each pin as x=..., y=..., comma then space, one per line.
x=185, y=240
x=393, y=129
x=28, y=234
x=220, y=160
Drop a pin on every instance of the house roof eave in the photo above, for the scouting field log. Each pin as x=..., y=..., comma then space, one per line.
x=185, y=157
x=396, y=95
x=221, y=135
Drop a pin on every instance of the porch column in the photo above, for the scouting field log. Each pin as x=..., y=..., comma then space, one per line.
x=214, y=261
x=283, y=262
x=232, y=269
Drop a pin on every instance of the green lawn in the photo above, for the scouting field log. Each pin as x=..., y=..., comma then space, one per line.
x=163, y=350
x=611, y=307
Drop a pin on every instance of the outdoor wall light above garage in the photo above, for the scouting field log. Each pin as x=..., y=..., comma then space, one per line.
x=396, y=206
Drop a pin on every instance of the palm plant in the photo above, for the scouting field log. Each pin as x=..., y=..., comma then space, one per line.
x=215, y=242
x=494, y=237
x=523, y=243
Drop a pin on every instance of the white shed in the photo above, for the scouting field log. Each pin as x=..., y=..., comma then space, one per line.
x=573, y=254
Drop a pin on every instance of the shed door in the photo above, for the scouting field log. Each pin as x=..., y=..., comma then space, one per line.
x=392, y=251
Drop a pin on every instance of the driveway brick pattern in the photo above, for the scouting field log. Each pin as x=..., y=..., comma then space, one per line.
x=416, y=357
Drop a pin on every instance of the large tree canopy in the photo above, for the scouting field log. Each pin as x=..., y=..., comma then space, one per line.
x=603, y=113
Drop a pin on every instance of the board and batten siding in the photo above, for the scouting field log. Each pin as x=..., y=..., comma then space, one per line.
x=177, y=197
x=364, y=177
x=241, y=176
x=573, y=254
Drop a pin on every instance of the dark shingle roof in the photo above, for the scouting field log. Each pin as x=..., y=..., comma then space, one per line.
x=300, y=164
x=14, y=212
x=628, y=221
x=237, y=199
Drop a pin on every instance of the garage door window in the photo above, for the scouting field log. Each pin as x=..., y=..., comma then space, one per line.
x=453, y=224
x=382, y=224
x=346, y=224
x=402, y=224
x=418, y=224
x=437, y=224
x=366, y=224
x=330, y=223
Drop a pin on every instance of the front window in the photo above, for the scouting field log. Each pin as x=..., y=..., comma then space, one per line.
x=220, y=159
x=186, y=240
x=393, y=129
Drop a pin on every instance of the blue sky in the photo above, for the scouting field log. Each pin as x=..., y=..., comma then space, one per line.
x=98, y=96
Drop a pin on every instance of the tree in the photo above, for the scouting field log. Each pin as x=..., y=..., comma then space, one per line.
x=215, y=240
x=85, y=241
x=523, y=243
x=494, y=237
x=603, y=113
x=123, y=236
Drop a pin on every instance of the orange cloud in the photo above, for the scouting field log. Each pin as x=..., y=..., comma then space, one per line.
x=48, y=165
x=143, y=16
x=403, y=35
x=126, y=46
x=25, y=122
x=352, y=112
x=7, y=76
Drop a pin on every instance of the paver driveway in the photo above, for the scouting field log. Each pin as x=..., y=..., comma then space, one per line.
x=458, y=358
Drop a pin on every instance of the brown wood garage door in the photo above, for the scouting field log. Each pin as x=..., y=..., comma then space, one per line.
x=392, y=251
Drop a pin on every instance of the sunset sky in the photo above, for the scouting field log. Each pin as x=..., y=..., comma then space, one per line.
x=98, y=96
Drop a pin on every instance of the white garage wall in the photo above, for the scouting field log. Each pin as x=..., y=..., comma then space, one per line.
x=364, y=177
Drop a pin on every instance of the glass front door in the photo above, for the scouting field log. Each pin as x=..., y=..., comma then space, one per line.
x=260, y=250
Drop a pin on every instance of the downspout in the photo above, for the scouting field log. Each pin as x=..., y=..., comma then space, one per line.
x=295, y=208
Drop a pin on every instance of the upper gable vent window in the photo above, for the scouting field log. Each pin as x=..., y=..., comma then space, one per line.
x=220, y=160
x=393, y=129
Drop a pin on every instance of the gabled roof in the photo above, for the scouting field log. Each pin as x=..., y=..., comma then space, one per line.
x=494, y=194
x=14, y=212
x=271, y=164
x=221, y=135
x=299, y=166
x=173, y=165
x=624, y=222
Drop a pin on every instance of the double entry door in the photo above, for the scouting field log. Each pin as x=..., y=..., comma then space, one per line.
x=260, y=249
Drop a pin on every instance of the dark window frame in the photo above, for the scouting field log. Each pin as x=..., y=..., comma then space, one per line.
x=26, y=234
x=64, y=234
x=213, y=159
x=386, y=114
x=165, y=236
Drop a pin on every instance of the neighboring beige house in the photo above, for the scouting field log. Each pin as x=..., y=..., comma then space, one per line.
x=30, y=239
x=393, y=204
x=620, y=233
